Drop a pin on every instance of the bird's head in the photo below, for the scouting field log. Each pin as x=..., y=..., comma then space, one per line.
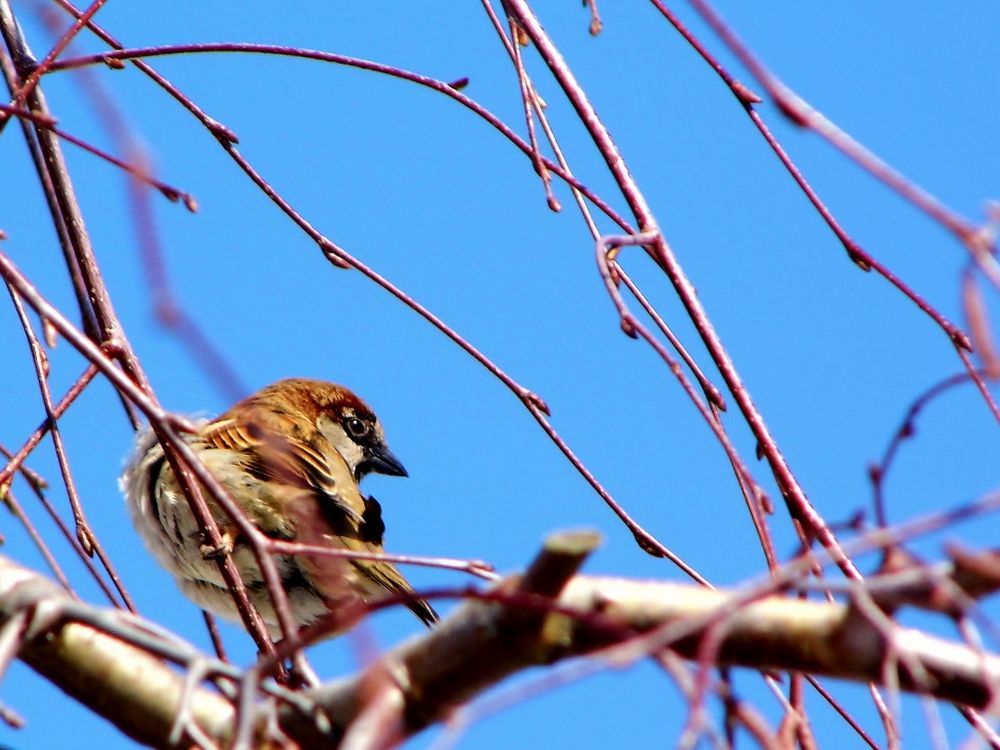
x=344, y=420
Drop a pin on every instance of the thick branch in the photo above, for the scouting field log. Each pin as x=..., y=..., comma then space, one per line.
x=483, y=643
x=545, y=615
x=135, y=691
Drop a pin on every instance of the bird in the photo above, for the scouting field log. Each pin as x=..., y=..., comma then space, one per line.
x=291, y=456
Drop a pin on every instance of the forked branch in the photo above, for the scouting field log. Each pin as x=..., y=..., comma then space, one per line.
x=548, y=614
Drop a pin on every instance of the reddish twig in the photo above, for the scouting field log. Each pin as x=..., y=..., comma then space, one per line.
x=804, y=115
x=40, y=360
x=88, y=541
x=795, y=497
x=170, y=314
x=177, y=451
x=38, y=489
x=877, y=473
x=340, y=257
x=64, y=41
x=977, y=377
x=8, y=499
x=841, y=711
x=855, y=252
x=93, y=295
x=606, y=250
x=17, y=459
x=214, y=635
x=169, y=192
x=88, y=320
x=225, y=135
x=529, y=101
x=476, y=568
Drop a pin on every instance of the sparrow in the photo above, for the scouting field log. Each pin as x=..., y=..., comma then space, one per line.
x=291, y=456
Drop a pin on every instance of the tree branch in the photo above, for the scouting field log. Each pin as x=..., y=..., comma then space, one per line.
x=138, y=693
x=545, y=615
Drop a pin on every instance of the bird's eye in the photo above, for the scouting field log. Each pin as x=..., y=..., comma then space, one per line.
x=356, y=428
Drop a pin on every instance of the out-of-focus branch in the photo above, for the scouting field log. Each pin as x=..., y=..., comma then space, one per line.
x=100, y=320
x=482, y=643
x=545, y=615
x=138, y=693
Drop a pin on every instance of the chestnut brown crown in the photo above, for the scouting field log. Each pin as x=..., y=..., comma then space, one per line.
x=307, y=406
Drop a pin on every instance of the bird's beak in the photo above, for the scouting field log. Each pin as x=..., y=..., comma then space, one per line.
x=381, y=460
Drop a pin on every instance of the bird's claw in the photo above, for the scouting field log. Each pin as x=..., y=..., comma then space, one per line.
x=215, y=551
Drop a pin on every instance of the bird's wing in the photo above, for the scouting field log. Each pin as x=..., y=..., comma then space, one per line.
x=272, y=455
x=388, y=578
x=363, y=533
x=332, y=512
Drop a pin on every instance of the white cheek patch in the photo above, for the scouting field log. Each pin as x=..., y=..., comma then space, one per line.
x=339, y=439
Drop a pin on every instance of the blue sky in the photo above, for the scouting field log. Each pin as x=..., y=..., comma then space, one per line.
x=434, y=199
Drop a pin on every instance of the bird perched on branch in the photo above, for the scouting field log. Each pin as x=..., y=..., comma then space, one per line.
x=291, y=457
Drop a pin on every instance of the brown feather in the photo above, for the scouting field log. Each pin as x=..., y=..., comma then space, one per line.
x=275, y=434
